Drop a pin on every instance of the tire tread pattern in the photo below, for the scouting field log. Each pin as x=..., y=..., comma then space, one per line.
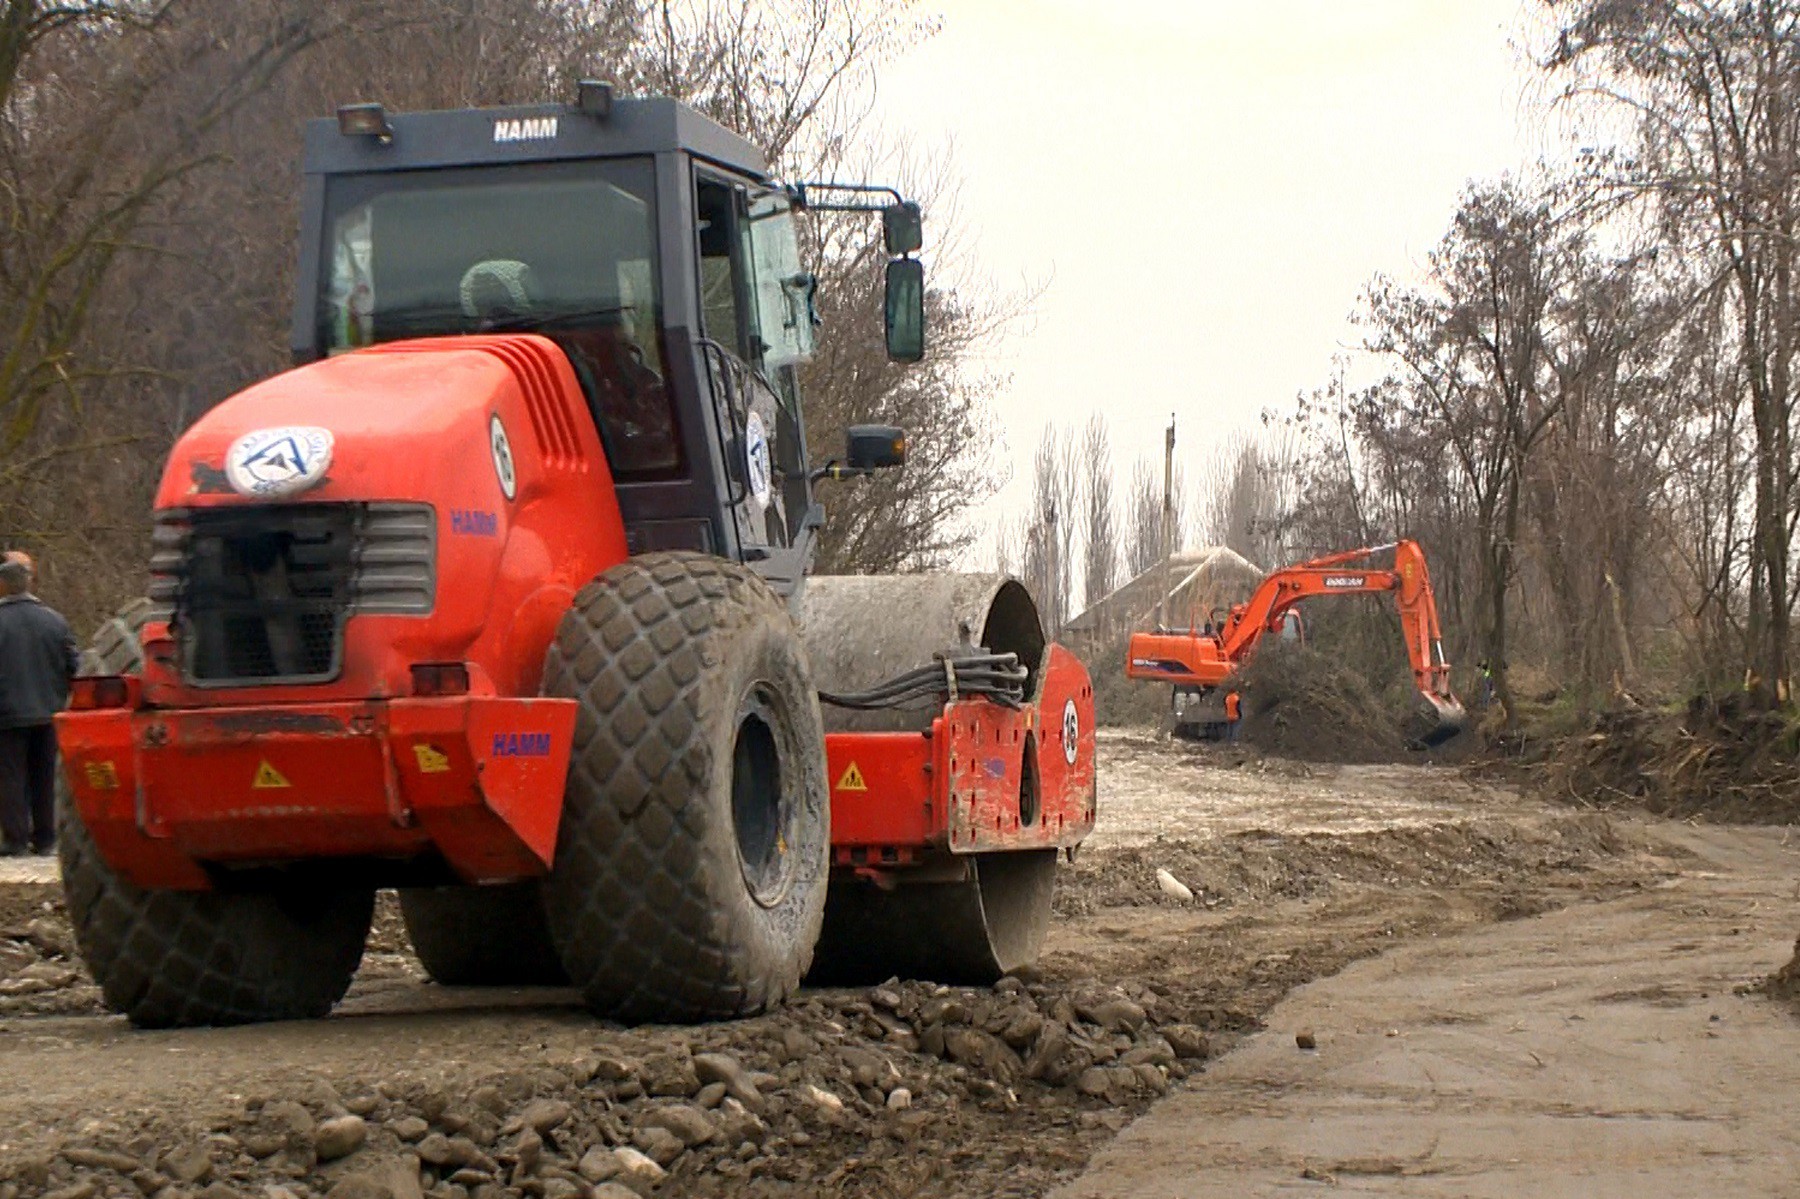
x=175, y=958
x=639, y=902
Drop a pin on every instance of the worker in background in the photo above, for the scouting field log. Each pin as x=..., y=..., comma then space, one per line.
x=37, y=660
x=1487, y=682
x=1234, y=711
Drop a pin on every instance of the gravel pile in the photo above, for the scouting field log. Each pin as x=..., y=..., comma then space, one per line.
x=719, y=1108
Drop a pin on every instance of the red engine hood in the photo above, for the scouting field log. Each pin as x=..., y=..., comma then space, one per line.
x=410, y=420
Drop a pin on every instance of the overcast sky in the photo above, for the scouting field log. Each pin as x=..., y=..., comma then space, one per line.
x=1205, y=185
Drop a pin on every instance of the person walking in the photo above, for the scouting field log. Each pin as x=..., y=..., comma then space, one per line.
x=1234, y=712
x=37, y=659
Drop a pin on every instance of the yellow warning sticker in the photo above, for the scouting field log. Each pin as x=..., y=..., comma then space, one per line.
x=431, y=759
x=852, y=779
x=101, y=776
x=267, y=776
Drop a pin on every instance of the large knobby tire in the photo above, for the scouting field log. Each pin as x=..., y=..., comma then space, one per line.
x=169, y=958
x=692, y=856
x=482, y=936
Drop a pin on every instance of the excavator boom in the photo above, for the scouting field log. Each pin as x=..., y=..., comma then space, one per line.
x=1198, y=662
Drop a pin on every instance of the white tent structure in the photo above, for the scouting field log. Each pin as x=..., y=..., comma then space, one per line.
x=1194, y=583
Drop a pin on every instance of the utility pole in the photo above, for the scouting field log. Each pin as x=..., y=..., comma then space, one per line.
x=1168, y=525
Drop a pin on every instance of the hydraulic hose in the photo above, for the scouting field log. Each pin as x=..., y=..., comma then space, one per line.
x=997, y=677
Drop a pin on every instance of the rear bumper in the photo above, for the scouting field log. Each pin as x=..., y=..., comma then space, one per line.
x=476, y=780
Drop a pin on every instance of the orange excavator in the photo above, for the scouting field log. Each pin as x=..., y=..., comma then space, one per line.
x=1201, y=663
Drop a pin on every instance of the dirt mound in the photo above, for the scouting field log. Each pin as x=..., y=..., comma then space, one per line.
x=1120, y=702
x=1300, y=703
x=1715, y=761
x=1784, y=984
x=1261, y=867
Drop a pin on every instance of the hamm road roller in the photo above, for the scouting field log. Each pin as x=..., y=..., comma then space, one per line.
x=499, y=597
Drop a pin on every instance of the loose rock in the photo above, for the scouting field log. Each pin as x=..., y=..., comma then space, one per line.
x=1173, y=887
x=822, y=1098
x=409, y=1128
x=85, y=1189
x=100, y=1159
x=360, y=1186
x=1187, y=1041
x=540, y=1115
x=339, y=1137
x=612, y=1190
x=690, y=1124
x=1114, y=1015
x=796, y=1045
x=635, y=1167
x=723, y=1068
x=597, y=1165
x=671, y=1074
x=658, y=1144
x=188, y=1164
x=1095, y=1082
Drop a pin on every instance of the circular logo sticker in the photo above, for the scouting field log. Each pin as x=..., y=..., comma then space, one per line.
x=756, y=459
x=503, y=458
x=1071, y=731
x=271, y=463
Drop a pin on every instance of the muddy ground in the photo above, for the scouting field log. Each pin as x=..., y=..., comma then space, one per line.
x=413, y=1089
x=1605, y=1049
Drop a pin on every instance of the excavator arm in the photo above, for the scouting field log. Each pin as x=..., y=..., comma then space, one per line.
x=1196, y=659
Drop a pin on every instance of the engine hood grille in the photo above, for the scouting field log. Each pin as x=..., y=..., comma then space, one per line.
x=261, y=593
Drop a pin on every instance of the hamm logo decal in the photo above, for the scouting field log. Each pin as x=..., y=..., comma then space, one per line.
x=473, y=523
x=528, y=129
x=271, y=463
x=521, y=745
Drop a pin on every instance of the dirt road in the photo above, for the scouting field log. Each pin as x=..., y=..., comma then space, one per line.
x=1601, y=1050
x=903, y=1089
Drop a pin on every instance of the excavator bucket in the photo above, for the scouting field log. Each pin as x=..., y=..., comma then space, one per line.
x=1435, y=720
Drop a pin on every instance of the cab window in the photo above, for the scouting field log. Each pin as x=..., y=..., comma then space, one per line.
x=566, y=250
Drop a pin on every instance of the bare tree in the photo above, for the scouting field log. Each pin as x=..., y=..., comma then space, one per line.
x=1100, y=531
x=1047, y=537
x=1144, y=538
x=1715, y=87
x=1471, y=347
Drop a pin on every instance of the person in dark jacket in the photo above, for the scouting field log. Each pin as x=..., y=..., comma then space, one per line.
x=37, y=659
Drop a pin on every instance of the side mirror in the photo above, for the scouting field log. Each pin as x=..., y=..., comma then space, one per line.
x=874, y=447
x=902, y=228
x=905, y=309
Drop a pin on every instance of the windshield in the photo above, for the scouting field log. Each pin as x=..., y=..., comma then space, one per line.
x=565, y=249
